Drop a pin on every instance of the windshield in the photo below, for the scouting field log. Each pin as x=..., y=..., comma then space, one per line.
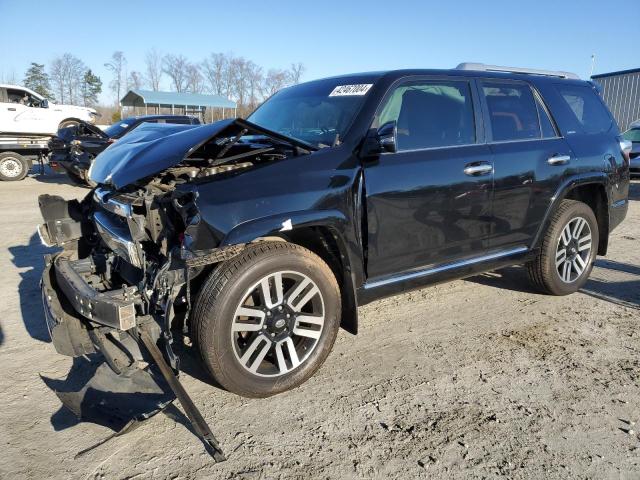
x=318, y=113
x=117, y=129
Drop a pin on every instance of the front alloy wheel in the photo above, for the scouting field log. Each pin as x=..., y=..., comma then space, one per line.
x=278, y=324
x=265, y=320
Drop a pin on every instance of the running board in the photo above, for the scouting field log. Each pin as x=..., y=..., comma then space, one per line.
x=442, y=268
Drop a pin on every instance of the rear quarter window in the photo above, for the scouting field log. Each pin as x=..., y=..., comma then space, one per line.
x=587, y=109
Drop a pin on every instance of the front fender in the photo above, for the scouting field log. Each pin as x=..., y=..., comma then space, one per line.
x=282, y=223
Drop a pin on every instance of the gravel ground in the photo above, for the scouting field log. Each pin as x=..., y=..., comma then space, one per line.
x=472, y=379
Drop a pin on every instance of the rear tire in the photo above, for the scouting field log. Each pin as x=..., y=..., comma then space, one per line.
x=266, y=320
x=568, y=250
x=13, y=167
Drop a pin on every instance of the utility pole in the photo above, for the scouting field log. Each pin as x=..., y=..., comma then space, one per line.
x=593, y=64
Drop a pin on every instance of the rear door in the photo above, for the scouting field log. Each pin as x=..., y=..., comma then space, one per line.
x=530, y=160
x=430, y=202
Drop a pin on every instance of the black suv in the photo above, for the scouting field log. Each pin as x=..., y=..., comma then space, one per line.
x=73, y=148
x=257, y=239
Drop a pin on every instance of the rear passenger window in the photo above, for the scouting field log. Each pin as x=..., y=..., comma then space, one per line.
x=431, y=114
x=512, y=111
x=586, y=107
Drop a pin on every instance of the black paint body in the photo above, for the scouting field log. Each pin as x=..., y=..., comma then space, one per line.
x=403, y=220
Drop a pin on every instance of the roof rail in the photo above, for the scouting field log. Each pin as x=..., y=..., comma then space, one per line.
x=481, y=67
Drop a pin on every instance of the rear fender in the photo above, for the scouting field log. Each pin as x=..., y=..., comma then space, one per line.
x=596, y=178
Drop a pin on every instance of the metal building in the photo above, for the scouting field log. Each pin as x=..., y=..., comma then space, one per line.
x=149, y=102
x=621, y=92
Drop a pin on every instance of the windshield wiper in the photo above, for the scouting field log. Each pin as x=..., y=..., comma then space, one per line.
x=278, y=136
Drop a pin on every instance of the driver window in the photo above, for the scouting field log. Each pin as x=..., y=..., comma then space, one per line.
x=22, y=97
x=431, y=114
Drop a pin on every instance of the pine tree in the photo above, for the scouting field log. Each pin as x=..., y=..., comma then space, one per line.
x=91, y=88
x=37, y=80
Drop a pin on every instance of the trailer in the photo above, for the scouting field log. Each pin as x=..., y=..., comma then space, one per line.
x=18, y=154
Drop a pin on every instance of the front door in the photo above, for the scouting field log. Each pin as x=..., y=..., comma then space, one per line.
x=430, y=202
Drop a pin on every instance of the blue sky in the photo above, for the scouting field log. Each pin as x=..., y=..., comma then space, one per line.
x=329, y=37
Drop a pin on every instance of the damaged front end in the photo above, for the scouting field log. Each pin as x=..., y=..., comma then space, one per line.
x=120, y=289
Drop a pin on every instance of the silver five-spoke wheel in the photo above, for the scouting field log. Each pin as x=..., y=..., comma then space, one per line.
x=278, y=323
x=573, y=250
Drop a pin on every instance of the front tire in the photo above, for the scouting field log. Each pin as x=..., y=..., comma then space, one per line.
x=13, y=167
x=568, y=250
x=266, y=320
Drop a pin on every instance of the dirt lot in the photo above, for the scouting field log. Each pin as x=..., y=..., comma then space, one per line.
x=476, y=378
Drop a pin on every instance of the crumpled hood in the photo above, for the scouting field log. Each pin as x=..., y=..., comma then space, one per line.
x=149, y=149
x=69, y=133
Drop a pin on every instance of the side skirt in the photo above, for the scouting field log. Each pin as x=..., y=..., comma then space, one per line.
x=375, y=289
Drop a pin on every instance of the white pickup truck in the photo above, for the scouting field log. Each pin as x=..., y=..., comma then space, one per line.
x=24, y=112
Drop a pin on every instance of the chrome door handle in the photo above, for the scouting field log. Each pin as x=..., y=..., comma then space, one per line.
x=11, y=109
x=478, y=169
x=559, y=160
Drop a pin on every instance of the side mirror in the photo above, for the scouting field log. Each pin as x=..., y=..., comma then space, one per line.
x=387, y=137
x=44, y=103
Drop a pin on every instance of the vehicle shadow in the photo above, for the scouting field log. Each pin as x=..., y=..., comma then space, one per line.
x=49, y=176
x=191, y=364
x=624, y=293
x=509, y=278
x=30, y=256
x=634, y=190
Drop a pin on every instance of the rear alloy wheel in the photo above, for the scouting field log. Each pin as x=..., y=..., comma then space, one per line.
x=574, y=250
x=266, y=320
x=568, y=250
x=13, y=167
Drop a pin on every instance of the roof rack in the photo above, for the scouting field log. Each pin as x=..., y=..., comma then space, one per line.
x=481, y=67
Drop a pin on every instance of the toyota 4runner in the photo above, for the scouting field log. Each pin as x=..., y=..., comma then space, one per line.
x=257, y=239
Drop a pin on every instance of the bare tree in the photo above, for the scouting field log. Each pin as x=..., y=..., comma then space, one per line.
x=135, y=80
x=67, y=72
x=195, y=80
x=56, y=73
x=296, y=71
x=117, y=66
x=254, y=84
x=215, y=69
x=153, y=62
x=175, y=66
x=276, y=79
x=239, y=69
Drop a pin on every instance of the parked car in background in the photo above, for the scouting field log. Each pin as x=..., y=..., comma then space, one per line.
x=633, y=135
x=74, y=148
x=259, y=238
x=23, y=111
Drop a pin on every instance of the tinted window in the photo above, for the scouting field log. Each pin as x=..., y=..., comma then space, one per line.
x=586, y=107
x=512, y=111
x=431, y=114
x=548, y=130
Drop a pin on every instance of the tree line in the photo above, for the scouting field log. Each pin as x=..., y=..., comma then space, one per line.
x=68, y=80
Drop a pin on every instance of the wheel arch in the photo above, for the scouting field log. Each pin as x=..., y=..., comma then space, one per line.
x=70, y=119
x=590, y=189
x=322, y=232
